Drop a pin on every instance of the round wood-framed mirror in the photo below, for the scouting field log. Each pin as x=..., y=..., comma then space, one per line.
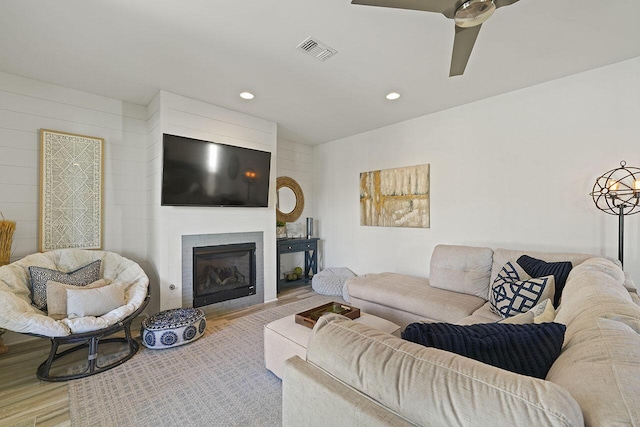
x=290, y=199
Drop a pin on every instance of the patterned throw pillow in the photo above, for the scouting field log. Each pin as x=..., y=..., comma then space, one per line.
x=544, y=312
x=509, y=295
x=524, y=349
x=518, y=319
x=541, y=313
x=538, y=268
x=40, y=276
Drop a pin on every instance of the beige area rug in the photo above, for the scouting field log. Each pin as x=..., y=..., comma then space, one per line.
x=218, y=380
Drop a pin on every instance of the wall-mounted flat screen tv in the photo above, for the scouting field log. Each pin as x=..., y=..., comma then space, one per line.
x=205, y=173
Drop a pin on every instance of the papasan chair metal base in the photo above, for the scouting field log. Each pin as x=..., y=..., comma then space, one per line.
x=90, y=341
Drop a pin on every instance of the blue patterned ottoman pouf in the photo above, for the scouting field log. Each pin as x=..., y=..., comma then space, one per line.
x=171, y=328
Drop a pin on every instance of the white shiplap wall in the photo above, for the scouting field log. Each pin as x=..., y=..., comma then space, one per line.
x=295, y=161
x=153, y=182
x=178, y=115
x=28, y=105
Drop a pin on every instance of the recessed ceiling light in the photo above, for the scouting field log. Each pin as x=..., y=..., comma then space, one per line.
x=393, y=95
x=246, y=95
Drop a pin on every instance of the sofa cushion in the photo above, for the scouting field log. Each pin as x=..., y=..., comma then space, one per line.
x=526, y=349
x=412, y=295
x=312, y=397
x=429, y=386
x=462, y=269
x=599, y=363
x=601, y=370
x=629, y=283
x=510, y=295
x=481, y=315
x=635, y=298
x=539, y=268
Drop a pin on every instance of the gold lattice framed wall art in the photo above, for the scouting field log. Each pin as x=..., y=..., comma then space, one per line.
x=71, y=171
x=396, y=197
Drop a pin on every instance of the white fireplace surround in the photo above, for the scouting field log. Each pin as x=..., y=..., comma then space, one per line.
x=198, y=240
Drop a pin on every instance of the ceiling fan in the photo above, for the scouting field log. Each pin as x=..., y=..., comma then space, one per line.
x=468, y=17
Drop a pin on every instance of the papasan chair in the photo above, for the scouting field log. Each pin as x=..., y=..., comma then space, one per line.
x=85, y=282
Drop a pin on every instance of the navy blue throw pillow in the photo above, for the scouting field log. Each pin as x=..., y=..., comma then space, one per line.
x=527, y=349
x=538, y=268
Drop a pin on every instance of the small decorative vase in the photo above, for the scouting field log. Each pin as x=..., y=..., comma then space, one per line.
x=281, y=231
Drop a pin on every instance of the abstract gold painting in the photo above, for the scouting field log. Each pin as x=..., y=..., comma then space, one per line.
x=396, y=197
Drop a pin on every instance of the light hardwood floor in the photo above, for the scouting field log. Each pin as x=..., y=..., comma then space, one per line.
x=27, y=401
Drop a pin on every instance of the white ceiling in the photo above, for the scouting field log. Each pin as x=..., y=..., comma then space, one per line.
x=213, y=49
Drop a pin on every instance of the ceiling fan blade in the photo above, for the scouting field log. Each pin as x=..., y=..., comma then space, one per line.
x=500, y=3
x=462, y=47
x=438, y=6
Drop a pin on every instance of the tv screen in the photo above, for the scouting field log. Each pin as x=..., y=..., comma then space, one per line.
x=204, y=173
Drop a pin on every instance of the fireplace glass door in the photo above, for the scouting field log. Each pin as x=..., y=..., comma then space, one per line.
x=223, y=272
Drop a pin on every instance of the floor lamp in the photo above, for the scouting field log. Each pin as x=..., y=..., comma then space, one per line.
x=617, y=192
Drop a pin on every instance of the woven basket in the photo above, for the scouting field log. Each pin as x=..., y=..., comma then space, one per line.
x=6, y=238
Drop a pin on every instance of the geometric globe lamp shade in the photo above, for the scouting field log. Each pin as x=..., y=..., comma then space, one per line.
x=617, y=192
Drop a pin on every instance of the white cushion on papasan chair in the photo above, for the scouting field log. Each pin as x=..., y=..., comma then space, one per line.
x=17, y=314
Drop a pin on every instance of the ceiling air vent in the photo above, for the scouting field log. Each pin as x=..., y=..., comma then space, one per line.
x=316, y=49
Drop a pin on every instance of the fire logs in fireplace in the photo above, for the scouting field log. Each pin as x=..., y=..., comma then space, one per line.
x=223, y=272
x=220, y=276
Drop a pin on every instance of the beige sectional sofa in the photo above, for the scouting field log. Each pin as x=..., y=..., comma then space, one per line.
x=456, y=292
x=362, y=377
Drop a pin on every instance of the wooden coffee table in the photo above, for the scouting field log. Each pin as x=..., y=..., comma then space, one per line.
x=284, y=338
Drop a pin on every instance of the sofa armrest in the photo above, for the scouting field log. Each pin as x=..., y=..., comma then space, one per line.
x=428, y=386
x=629, y=284
x=311, y=397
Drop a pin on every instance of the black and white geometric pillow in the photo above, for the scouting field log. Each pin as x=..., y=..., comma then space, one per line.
x=538, y=268
x=510, y=296
x=40, y=276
